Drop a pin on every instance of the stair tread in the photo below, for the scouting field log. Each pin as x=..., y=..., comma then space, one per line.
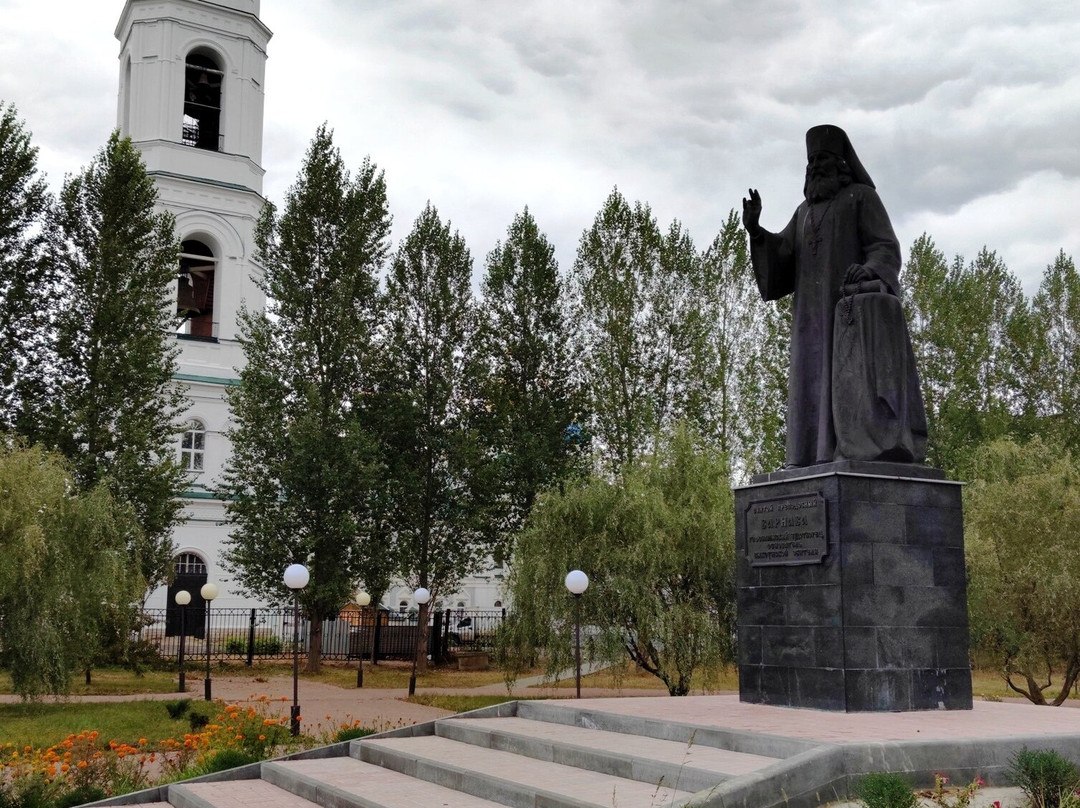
x=245, y=794
x=580, y=785
x=384, y=786
x=698, y=756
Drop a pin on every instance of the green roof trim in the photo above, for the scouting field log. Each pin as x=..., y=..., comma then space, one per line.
x=199, y=495
x=190, y=377
x=205, y=181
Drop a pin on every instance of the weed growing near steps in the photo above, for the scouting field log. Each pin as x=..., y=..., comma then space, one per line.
x=885, y=790
x=1047, y=779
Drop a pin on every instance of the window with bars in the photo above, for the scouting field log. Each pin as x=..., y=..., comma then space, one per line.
x=189, y=564
x=193, y=446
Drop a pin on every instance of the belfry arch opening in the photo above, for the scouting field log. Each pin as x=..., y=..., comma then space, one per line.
x=195, y=289
x=202, y=102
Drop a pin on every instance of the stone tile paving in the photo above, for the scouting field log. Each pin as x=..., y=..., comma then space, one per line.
x=987, y=719
x=246, y=794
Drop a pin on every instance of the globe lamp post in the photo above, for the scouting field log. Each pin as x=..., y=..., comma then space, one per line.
x=296, y=578
x=421, y=596
x=576, y=584
x=363, y=600
x=208, y=592
x=182, y=598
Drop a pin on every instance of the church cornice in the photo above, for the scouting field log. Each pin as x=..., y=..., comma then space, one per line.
x=207, y=181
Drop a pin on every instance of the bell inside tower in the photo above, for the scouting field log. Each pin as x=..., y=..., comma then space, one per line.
x=195, y=289
x=202, y=102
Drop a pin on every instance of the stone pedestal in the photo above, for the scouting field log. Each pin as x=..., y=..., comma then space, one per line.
x=852, y=593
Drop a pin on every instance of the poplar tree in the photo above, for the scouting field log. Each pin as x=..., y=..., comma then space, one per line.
x=25, y=276
x=633, y=319
x=440, y=482
x=112, y=403
x=532, y=418
x=1055, y=373
x=299, y=485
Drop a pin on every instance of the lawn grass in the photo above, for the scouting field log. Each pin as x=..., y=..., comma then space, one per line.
x=630, y=677
x=459, y=704
x=396, y=674
x=112, y=682
x=42, y=725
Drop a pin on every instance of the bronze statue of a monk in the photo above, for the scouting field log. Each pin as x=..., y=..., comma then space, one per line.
x=853, y=389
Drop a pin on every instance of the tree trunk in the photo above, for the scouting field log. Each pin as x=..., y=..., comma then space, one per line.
x=422, y=638
x=314, y=656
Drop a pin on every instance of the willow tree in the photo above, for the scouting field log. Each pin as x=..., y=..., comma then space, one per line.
x=657, y=543
x=65, y=562
x=1022, y=516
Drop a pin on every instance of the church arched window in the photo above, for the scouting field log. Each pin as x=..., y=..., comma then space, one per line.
x=189, y=564
x=193, y=445
x=195, y=289
x=202, y=102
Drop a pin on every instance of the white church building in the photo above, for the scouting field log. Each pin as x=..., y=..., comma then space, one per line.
x=191, y=100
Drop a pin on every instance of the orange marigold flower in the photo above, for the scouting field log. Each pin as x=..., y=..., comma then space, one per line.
x=262, y=737
x=142, y=741
x=64, y=767
x=82, y=764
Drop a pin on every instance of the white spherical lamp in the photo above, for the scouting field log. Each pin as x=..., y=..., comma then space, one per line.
x=577, y=582
x=209, y=591
x=421, y=596
x=363, y=598
x=182, y=598
x=297, y=576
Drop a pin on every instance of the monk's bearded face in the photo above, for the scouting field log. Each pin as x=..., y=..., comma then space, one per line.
x=822, y=176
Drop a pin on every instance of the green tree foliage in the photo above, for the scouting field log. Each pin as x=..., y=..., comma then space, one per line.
x=65, y=559
x=440, y=483
x=632, y=297
x=25, y=277
x=113, y=404
x=658, y=546
x=300, y=484
x=532, y=420
x=1022, y=517
x=737, y=381
x=1055, y=374
x=971, y=330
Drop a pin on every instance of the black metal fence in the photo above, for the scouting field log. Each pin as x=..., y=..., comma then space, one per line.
x=248, y=635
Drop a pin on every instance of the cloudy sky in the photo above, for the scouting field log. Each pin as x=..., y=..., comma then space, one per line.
x=966, y=114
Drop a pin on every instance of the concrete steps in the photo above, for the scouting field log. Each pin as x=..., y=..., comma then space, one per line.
x=525, y=755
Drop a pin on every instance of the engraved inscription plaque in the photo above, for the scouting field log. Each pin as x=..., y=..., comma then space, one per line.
x=786, y=530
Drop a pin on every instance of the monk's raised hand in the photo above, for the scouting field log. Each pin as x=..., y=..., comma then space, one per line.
x=751, y=213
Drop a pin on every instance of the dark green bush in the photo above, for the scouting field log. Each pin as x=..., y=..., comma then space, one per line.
x=80, y=796
x=352, y=733
x=885, y=790
x=178, y=708
x=227, y=759
x=27, y=792
x=264, y=646
x=1043, y=775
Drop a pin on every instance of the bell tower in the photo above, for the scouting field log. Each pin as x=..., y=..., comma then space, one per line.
x=191, y=100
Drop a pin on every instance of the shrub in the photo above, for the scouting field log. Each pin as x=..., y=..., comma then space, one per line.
x=1044, y=776
x=177, y=709
x=264, y=646
x=351, y=734
x=885, y=790
x=81, y=796
x=225, y=759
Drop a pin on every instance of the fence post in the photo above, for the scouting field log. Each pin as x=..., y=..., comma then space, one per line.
x=436, y=637
x=376, y=635
x=445, y=640
x=251, y=640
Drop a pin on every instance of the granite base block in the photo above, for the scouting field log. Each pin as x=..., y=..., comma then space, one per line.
x=879, y=622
